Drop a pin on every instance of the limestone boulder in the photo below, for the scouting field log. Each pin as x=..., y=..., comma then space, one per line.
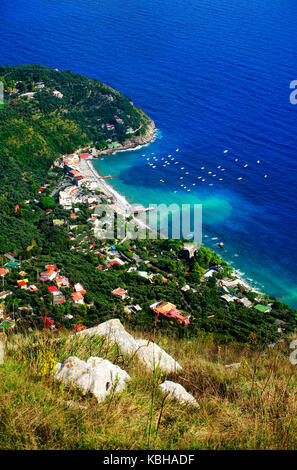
x=96, y=375
x=149, y=353
x=156, y=358
x=177, y=392
x=114, y=331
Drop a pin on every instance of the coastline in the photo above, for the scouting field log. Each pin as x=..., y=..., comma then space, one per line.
x=121, y=204
x=133, y=143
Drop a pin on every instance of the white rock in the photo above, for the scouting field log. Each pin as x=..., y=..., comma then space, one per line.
x=1, y=352
x=96, y=375
x=155, y=357
x=179, y=393
x=235, y=365
x=146, y=351
x=115, y=332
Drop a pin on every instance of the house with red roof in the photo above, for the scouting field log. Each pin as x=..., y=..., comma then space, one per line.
x=113, y=263
x=77, y=298
x=23, y=283
x=53, y=289
x=85, y=155
x=48, y=322
x=120, y=293
x=169, y=310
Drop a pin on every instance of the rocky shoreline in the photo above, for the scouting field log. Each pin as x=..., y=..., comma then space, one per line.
x=133, y=142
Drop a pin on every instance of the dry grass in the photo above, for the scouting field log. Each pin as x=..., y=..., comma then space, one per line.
x=252, y=407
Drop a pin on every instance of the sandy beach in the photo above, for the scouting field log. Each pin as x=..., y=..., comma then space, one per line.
x=120, y=204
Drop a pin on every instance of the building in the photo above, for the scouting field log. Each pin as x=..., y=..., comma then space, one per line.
x=3, y=272
x=78, y=287
x=58, y=94
x=23, y=283
x=189, y=251
x=169, y=310
x=120, y=293
x=229, y=298
x=77, y=298
x=67, y=196
x=246, y=302
x=85, y=155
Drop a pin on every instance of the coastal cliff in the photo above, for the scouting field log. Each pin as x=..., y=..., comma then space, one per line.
x=79, y=111
x=135, y=141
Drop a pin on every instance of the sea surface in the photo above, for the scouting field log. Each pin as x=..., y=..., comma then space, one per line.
x=214, y=75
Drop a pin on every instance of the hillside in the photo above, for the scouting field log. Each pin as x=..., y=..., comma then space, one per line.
x=48, y=113
x=59, y=278
x=252, y=406
x=50, y=253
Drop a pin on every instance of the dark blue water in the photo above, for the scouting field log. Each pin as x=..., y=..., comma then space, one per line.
x=214, y=75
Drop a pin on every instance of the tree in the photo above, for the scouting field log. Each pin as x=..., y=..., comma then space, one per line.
x=47, y=202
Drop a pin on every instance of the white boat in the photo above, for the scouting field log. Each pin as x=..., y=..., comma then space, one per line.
x=226, y=151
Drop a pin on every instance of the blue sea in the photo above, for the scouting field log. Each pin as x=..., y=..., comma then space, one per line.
x=214, y=75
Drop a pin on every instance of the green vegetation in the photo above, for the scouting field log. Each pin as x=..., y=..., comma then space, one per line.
x=35, y=130
x=250, y=407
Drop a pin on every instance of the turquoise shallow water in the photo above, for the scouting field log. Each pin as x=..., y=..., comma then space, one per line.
x=227, y=216
x=214, y=75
